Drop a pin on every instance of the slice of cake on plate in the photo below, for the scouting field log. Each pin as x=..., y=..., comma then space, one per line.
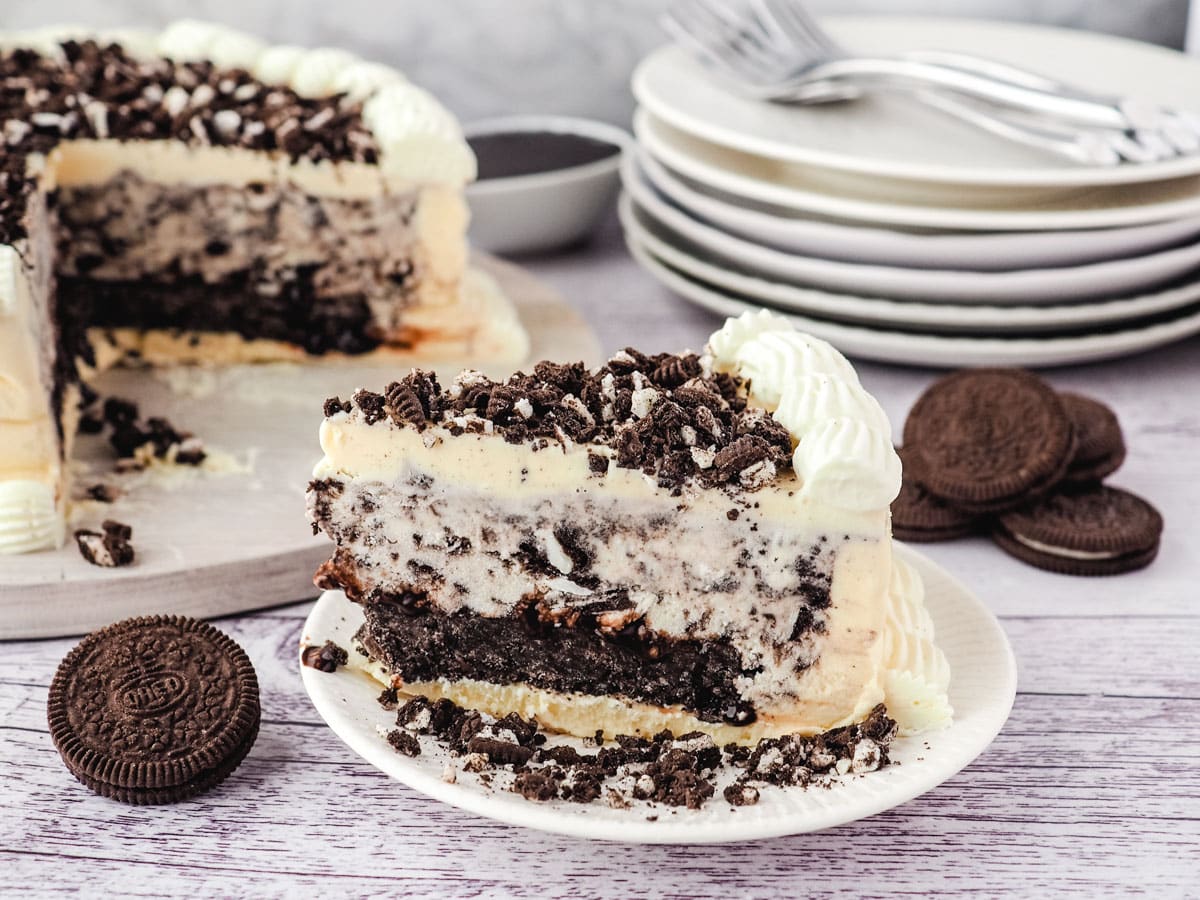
x=197, y=195
x=679, y=541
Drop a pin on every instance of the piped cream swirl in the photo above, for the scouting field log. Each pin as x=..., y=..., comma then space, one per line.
x=917, y=677
x=844, y=455
x=29, y=519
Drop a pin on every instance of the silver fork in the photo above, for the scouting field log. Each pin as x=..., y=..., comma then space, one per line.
x=1141, y=137
x=772, y=49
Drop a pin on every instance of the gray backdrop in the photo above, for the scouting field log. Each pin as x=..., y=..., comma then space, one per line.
x=485, y=57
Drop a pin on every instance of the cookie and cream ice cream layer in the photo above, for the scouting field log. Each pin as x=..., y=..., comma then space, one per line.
x=738, y=583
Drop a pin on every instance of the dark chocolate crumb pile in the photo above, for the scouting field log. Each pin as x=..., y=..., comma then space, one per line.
x=329, y=657
x=109, y=547
x=661, y=414
x=128, y=433
x=97, y=91
x=674, y=771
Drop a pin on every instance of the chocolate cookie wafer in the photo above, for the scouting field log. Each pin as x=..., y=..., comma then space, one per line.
x=154, y=709
x=1094, y=530
x=917, y=515
x=988, y=440
x=1100, y=446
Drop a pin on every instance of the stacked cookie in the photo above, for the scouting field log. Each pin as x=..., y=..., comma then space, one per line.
x=999, y=450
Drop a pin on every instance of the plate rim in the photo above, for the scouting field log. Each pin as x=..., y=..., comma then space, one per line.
x=761, y=226
x=885, y=311
x=927, y=350
x=906, y=215
x=374, y=750
x=1062, y=281
x=999, y=177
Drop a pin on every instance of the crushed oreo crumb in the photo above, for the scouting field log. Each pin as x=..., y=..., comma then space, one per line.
x=335, y=405
x=131, y=436
x=404, y=742
x=673, y=771
x=661, y=414
x=326, y=658
x=109, y=547
x=741, y=794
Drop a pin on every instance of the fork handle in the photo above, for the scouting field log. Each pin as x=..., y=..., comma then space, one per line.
x=1085, y=147
x=916, y=75
x=1139, y=115
x=1001, y=71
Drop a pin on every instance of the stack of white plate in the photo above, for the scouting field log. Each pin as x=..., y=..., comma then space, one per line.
x=900, y=235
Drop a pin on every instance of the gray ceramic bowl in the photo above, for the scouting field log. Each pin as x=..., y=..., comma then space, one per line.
x=544, y=210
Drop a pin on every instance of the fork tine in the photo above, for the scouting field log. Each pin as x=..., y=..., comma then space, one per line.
x=804, y=25
x=783, y=42
x=751, y=37
x=780, y=21
x=690, y=24
x=726, y=42
x=736, y=46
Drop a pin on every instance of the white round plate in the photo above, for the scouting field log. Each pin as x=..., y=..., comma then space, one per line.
x=946, y=318
x=981, y=252
x=909, y=204
x=1062, y=284
x=891, y=135
x=982, y=689
x=917, y=349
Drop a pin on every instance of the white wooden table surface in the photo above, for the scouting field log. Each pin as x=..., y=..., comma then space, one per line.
x=1092, y=789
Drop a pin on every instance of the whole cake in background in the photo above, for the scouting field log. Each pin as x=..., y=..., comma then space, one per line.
x=199, y=196
x=679, y=541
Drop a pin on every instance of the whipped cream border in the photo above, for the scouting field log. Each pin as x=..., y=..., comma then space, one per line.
x=843, y=447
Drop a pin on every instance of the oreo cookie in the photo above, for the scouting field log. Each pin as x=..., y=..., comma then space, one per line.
x=1093, y=530
x=988, y=440
x=917, y=515
x=154, y=709
x=1100, y=446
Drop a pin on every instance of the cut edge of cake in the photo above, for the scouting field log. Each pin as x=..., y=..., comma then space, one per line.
x=410, y=146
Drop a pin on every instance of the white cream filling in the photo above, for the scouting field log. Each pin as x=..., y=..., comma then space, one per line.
x=1063, y=552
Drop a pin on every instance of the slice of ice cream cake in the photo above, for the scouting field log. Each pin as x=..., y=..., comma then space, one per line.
x=680, y=541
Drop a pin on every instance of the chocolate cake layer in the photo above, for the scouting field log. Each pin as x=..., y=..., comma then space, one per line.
x=290, y=313
x=420, y=644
